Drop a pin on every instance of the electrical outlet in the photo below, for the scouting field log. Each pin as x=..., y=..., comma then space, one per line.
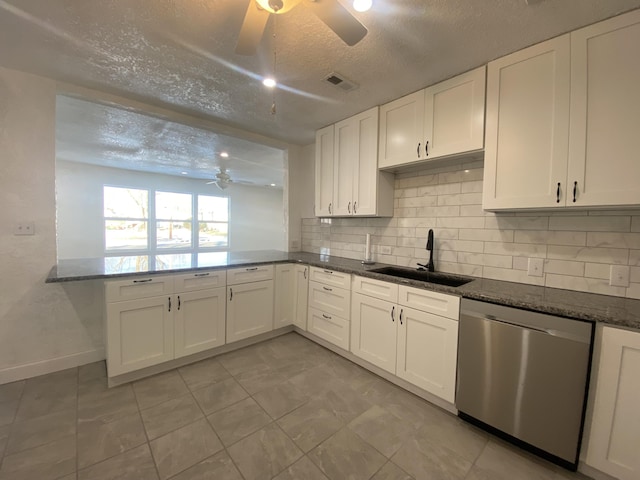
x=24, y=228
x=535, y=267
x=385, y=249
x=619, y=276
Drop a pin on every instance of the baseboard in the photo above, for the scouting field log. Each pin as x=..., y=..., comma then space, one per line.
x=594, y=473
x=20, y=372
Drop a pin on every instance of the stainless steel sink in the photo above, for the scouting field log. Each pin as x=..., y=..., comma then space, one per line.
x=423, y=275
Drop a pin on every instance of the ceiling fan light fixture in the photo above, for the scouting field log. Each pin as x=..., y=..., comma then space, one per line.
x=362, y=5
x=277, y=6
x=224, y=154
x=269, y=82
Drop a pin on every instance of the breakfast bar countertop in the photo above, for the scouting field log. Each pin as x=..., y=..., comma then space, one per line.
x=615, y=311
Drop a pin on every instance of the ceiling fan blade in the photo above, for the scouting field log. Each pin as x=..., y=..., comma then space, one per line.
x=255, y=21
x=338, y=19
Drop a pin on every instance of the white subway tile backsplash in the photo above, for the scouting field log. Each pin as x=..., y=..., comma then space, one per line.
x=579, y=246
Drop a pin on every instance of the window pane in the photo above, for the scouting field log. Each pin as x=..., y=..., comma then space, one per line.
x=173, y=234
x=212, y=234
x=213, y=208
x=126, y=264
x=173, y=206
x=126, y=202
x=175, y=260
x=125, y=235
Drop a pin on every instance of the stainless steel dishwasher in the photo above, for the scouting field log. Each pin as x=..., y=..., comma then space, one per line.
x=524, y=376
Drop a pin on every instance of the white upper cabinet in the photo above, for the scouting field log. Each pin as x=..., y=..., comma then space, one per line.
x=605, y=113
x=527, y=134
x=324, y=172
x=562, y=121
x=358, y=187
x=442, y=120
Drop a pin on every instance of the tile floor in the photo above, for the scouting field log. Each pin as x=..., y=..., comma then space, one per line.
x=284, y=409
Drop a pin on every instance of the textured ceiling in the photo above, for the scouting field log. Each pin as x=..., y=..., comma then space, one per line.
x=179, y=54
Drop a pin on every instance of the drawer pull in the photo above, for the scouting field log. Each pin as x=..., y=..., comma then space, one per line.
x=230, y=293
x=200, y=274
x=393, y=309
x=401, y=310
x=169, y=303
x=143, y=281
x=251, y=269
x=305, y=273
x=326, y=316
x=327, y=289
x=328, y=271
x=179, y=303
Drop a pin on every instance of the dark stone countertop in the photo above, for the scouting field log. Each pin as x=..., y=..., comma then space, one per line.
x=615, y=311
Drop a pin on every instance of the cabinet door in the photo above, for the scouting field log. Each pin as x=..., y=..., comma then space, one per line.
x=366, y=182
x=199, y=320
x=427, y=352
x=526, y=145
x=605, y=113
x=615, y=428
x=249, y=310
x=344, y=166
x=454, y=115
x=301, y=294
x=285, y=295
x=139, y=333
x=401, y=129
x=324, y=171
x=373, y=331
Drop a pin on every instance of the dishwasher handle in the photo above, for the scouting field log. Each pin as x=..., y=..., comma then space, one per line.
x=465, y=314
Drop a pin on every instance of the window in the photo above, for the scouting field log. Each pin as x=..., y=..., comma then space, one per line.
x=148, y=221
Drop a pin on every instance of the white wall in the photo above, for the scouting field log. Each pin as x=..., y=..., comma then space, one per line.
x=301, y=186
x=256, y=214
x=43, y=327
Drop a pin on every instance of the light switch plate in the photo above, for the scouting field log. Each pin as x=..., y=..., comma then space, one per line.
x=535, y=267
x=24, y=228
x=619, y=275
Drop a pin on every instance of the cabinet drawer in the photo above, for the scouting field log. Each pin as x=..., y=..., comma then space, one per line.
x=335, y=301
x=139, y=287
x=431, y=302
x=190, y=282
x=330, y=277
x=249, y=274
x=375, y=288
x=331, y=328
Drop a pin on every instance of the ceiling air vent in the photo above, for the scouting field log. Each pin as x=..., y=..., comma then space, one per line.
x=340, y=81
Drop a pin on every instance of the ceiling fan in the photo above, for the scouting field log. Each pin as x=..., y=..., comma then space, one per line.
x=222, y=181
x=331, y=12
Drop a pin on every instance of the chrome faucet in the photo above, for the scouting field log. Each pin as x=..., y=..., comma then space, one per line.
x=429, y=266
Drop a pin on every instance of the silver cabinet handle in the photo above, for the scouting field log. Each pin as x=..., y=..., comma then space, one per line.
x=330, y=209
x=143, y=281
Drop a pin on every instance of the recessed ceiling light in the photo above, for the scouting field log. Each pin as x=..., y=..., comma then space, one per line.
x=273, y=184
x=224, y=154
x=269, y=82
x=362, y=5
x=183, y=173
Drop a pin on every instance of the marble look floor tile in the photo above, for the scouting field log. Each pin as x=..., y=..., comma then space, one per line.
x=49, y=393
x=203, y=373
x=98, y=402
x=424, y=460
x=11, y=391
x=345, y=455
x=46, y=462
x=349, y=372
x=311, y=424
x=92, y=371
x=8, y=411
x=302, y=469
x=412, y=408
x=345, y=402
x=219, y=395
x=40, y=430
x=458, y=436
x=280, y=399
x=71, y=476
x=4, y=438
x=99, y=440
x=183, y=448
x=135, y=464
x=239, y=420
x=500, y=461
x=218, y=467
x=383, y=431
x=243, y=360
x=313, y=382
x=264, y=454
x=259, y=378
x=159, y=388
x=170, y=415
x=391, y=471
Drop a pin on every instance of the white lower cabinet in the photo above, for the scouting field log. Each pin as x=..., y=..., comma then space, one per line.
x=329, y=306
x=285, y=295
x=301, y=300
x=199, y=321
x=419, y=346
x=615, y=426
x=331, y=328
x=249, y=303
